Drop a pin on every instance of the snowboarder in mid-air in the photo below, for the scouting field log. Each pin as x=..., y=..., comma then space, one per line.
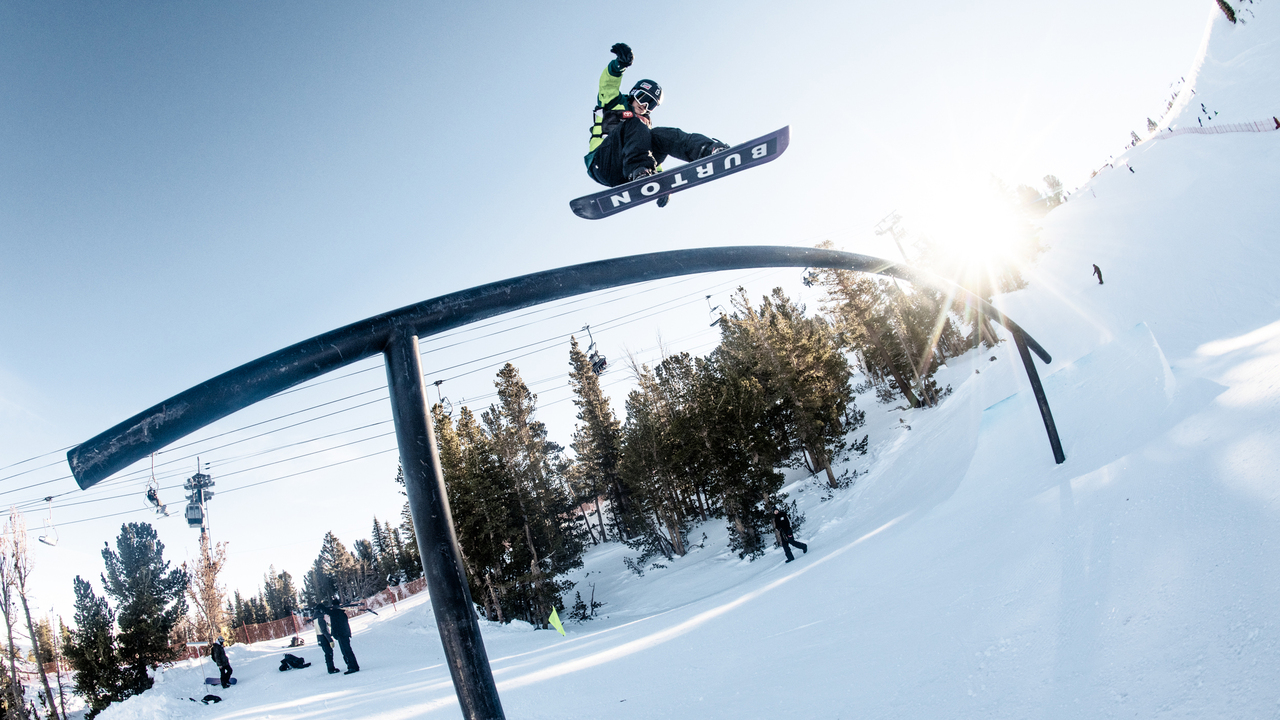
x=624, y=144
x=1097, y=271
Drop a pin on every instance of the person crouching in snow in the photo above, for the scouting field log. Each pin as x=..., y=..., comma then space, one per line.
x=624, y=145
x=218, y=654
x=782, y=530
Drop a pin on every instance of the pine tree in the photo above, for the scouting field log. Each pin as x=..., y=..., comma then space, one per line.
x=1227, y=10
x=742, y=450
x=802, y=372
x=46, y=641
x=100, y=675
x=549, y=544
x=278, y=594
x=597, y=442
x=410, y=559
x=388, y=565
x=149, y=599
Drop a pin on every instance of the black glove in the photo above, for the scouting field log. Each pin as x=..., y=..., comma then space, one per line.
x=624, y=54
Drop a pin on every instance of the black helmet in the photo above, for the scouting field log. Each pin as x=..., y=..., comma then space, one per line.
x=648, y=93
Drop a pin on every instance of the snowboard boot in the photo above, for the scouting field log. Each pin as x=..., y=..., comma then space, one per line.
x=640, y=173
x=352, y=670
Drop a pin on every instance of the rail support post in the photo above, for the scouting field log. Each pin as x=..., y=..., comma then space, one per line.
x=438, y=546
x=1058, y=456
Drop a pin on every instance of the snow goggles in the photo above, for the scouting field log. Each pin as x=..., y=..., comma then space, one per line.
x=646, y=100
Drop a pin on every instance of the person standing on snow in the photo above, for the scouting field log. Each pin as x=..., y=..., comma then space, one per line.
x=1098, y=272
x=341, y=628
x=323, y=638
x=624, y=145
x=218, y=654
x=782, y=530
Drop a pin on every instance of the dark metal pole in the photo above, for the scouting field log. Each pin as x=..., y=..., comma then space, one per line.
x=1041, y=400
x=429, y=505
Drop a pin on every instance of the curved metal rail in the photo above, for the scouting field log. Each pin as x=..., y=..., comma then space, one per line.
x=164, y=423
x=395, y=335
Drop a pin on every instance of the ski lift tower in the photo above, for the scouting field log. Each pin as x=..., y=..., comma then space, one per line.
x=889, y=226
x=198, y=494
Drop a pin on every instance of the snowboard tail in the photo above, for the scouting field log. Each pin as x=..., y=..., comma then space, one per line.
x=638, y=192
x=216, y=681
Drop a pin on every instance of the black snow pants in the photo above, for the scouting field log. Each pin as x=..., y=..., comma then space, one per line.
x=327, y=646
x=224, y=675
x=634, y=145
x=348, y=657
x=787, y=542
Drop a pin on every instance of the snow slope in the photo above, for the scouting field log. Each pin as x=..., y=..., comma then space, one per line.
x=966, y=575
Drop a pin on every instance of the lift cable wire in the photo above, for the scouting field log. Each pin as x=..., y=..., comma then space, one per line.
x=509, y=318
x=612, y=323
x=116, y=482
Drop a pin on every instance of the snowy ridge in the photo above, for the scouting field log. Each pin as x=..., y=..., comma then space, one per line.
x=965, y=575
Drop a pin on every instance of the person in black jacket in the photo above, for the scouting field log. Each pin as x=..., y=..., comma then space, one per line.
x=323, y=637
x=218, y=654
x=782, y=530
x=341, y=629
x=624, y=145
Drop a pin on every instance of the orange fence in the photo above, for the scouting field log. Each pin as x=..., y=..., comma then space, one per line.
x=296, y=624
x=273, y=630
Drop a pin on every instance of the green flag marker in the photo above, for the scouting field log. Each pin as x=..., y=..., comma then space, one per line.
x=555, y=621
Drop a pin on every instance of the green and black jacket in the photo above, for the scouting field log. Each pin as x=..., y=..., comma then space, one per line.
x=610, y=104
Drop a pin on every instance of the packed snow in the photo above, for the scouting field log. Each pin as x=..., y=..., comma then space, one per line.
x=965, y=575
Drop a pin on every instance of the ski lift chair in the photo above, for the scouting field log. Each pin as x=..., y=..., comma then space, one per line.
x=195, y=515
x=50, y=536
x=598, y=363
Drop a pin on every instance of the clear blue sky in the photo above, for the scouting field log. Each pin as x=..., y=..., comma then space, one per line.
x=186, y=187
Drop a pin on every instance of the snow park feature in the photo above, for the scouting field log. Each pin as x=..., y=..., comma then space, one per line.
x=965, y=575
x=395, y=335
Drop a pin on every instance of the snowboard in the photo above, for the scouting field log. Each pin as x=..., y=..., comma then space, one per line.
x=726, y=162
x=216, y=681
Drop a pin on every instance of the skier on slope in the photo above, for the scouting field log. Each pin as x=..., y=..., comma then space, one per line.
x=624, y=144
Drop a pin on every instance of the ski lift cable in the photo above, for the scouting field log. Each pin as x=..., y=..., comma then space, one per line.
x=615, y=322
x=304, y=422
x=135, y=473
x=116, y=482
x=238, y=472
x=35, y=469
x=36, y=457
x=103, y=499
x=508, y=318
